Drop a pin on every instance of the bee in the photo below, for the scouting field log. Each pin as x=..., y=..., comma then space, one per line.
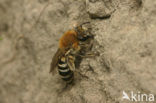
x=70, y=45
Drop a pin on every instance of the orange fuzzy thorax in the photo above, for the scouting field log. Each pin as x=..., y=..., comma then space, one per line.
x=68, y=39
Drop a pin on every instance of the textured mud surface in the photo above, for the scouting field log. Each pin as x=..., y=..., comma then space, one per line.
x=124, y=35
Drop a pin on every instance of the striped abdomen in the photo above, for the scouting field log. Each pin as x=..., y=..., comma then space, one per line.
x=64, y=70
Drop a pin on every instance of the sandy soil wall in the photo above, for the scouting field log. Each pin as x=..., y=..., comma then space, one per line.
x=124, y=35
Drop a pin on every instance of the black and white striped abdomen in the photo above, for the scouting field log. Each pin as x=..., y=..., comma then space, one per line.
x=64, y=70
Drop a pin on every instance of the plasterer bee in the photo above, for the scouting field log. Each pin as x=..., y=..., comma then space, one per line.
x=70, y=45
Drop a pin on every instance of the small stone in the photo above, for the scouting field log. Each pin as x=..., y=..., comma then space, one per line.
x=99, y=8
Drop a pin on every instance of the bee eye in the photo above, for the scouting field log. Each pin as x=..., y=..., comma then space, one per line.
x=80, y=37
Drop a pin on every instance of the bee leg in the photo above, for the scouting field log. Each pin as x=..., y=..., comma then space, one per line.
x=83, y=76
x=92, y=54
x=89, y=54
x=70, y=61
x=63, y=89
x=66, y=86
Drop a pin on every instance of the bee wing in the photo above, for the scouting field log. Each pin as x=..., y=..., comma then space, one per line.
x=55, y=60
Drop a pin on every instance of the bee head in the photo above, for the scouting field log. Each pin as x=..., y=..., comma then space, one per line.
x=82, y=32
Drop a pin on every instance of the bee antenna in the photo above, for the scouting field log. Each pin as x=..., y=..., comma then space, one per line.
x=84, y=23
x=76, y=28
